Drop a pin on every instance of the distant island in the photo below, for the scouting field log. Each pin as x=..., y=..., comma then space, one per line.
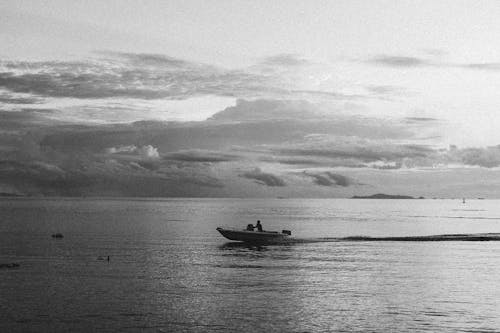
x=384, y=196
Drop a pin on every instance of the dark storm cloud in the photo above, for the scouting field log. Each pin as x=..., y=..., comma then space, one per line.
x=264, y=178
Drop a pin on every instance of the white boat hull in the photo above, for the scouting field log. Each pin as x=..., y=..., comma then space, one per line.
x=253, y=236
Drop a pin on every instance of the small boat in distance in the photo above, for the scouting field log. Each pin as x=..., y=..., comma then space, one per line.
x=259, y=237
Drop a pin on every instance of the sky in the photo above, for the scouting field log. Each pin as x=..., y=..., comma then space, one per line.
x=249, y=98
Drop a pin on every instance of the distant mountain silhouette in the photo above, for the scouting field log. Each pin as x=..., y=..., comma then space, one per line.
x=384, y=196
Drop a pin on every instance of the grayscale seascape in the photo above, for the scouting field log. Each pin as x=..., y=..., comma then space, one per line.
x=170, y=271
x=142, y=143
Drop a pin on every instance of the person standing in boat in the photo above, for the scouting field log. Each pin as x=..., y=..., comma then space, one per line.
x=259, y=226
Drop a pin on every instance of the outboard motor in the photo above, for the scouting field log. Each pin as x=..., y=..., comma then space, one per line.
x=286, y=232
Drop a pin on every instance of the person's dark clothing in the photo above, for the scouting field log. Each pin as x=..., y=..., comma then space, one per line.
x=259, y=226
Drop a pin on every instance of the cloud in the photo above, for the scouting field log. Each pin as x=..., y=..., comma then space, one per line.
x=156, y=76
x=339, y=179
x=146, y=151
x=280, y=125
x=218, y=156
x=190, y=175
x=267, y=109
x=398, y=61
x=483, y=157
x=321, y=180
x=285, y=133
x=125, y=159
x=435, y=52
x=362, y=153
x=384, y=89
x=495, y=66
x=121, y=149
x=87, y=85
x=139, y=76
x=27, y=177
x=106, y=177
x=391, y=156
x=264, y=178
x=421, y=120
x=329, y=179
x=25, y=119
x=148, y=59
x=248, y=124
x=294, y=161
x=386, y=165
x=286, y=60
x=200, y=155
x=16, y=99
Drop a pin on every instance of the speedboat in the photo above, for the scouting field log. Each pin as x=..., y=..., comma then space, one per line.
x=255, y=236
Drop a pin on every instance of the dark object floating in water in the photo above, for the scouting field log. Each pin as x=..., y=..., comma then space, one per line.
x=384, y=196
x=256, y=237
x=57, y=235
x=103, y=258
x=10, y=265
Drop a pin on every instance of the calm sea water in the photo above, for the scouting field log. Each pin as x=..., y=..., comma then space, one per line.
x=170, y=271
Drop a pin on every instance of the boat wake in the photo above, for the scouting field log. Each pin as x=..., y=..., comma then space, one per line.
x=482, y=237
